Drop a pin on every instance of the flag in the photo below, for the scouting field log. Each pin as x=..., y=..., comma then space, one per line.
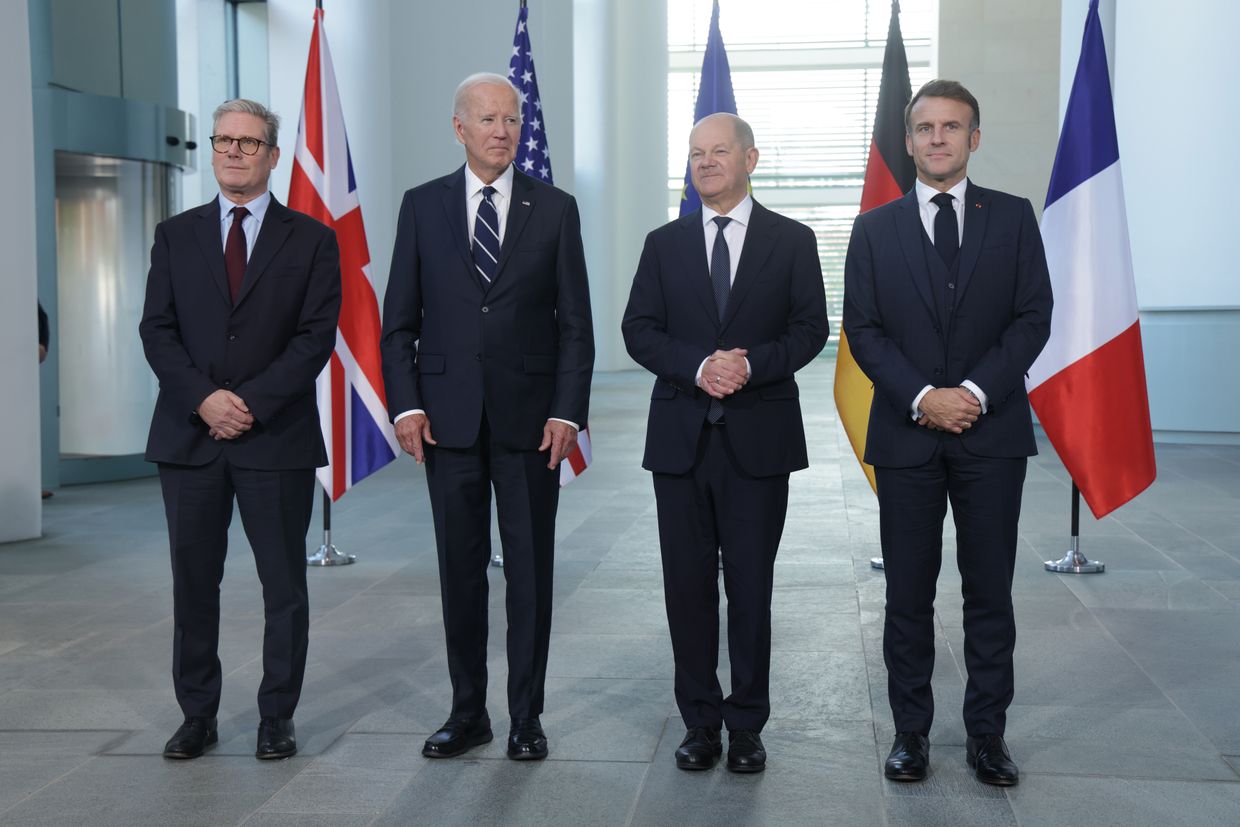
x=534, y=159
x=1088, y=384
x=889, y=173
x=714, y=95
x=352, y=403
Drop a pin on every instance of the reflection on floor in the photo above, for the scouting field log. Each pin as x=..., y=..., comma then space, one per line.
x=1125, y=710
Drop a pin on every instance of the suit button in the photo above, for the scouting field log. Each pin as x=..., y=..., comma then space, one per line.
x=477, y=357
x=719, y=343
x=227, y=383
x=486, y=309
x=936, y=330
x=951, y=285
x=232, y=337
x=938, y=371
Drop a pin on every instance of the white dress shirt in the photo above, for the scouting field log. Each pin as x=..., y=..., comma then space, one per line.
x=501, y=198
x=250, y=226
x=928, y=210
x=734, y=235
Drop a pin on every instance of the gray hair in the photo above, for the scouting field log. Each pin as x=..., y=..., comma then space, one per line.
x=744, y=132
x=481, y=79
x=249, y=107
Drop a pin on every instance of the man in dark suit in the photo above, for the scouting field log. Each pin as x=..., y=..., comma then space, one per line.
x=726, y=305
x=488, y=349
x=242, y=301
x=947, y=303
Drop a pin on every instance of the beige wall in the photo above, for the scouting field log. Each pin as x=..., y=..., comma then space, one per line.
x=1007, y=53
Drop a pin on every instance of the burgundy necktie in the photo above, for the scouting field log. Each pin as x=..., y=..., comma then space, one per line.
x=234, y=252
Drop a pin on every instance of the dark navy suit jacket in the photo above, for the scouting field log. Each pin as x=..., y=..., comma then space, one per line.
x=522, y=351
x=998, y=326
x=776, y=310
x=268, y=348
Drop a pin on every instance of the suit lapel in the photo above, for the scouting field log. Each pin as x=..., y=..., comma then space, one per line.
x=759, y=242
x=696, y=271
x=458, y=219
x=911, y=232
x=520, y=205
x=976, y=206
x=208, y=231
x=277, y=226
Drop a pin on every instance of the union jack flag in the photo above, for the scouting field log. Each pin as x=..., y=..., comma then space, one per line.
x=352, y=403
x=534, y=159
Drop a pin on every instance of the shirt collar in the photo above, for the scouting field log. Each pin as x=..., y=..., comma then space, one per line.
x=502, y=184
x=740, y=213
x=257, y=207
x=925, y=192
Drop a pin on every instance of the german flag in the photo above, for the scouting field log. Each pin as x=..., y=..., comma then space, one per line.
x=889, y=173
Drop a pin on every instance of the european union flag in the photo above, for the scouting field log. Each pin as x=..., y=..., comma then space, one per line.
x=714, y=95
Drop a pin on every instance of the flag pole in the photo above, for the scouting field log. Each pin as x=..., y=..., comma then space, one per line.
x=328, y=554
x=1074, y=562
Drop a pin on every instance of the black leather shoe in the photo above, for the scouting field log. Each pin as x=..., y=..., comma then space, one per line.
x=526, y=740
x=458, y=735
x=192, y=738
x=700, y=749
x=276, y=739
x=909, y=759
x=992, y=763
x=745, y=751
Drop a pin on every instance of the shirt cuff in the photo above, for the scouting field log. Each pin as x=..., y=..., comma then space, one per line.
x=401, y=416
x=574, y=425
x=916, y=409
x=976, y=391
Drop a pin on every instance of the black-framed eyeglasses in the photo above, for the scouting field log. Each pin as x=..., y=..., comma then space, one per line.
x=248, y=146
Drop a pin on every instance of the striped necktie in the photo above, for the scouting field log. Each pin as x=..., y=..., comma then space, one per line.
x=486, y=239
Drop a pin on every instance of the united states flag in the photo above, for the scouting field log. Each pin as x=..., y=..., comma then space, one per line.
x=352, y=403
x=534, y=159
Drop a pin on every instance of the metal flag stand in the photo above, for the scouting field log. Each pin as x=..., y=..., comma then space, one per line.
x=1074, y=562
x=329, y=555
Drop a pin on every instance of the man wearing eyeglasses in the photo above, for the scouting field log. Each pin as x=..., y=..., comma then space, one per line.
x=242, y=301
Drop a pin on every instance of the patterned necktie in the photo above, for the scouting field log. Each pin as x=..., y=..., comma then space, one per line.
x=486, y=238
x=721, y=281
x=946, y=230
x=234, y=252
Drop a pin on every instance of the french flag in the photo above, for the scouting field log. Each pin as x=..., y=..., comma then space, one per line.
x=352, y=403
x=1088, y=385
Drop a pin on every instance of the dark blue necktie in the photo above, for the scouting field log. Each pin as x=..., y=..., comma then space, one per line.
x=721, y=266
x=486, y=238
x=721, y=281
x=946, y=230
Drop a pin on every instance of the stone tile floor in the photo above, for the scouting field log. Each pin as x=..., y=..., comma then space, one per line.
x=1125, y=711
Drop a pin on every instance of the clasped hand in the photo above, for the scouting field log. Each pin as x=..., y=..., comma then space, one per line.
x=949, y=409
x=724, y=373
x=226, y=415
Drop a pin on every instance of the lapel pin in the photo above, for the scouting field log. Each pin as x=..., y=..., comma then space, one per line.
x=527, y=203
x=978, y=205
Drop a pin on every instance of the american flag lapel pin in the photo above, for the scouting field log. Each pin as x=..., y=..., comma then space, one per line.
x=978, y=205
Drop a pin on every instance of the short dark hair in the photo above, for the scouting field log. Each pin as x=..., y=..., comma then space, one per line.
x=940, y=88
